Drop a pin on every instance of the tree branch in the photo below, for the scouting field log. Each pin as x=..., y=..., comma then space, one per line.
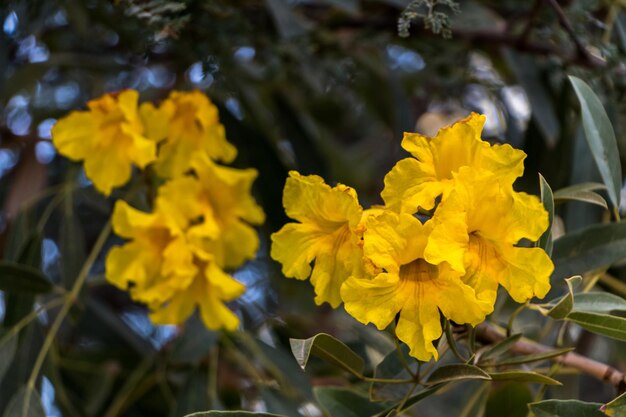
x=487, y=334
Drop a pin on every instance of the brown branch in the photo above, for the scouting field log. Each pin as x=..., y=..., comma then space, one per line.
x=565, y=23
x=487, y=334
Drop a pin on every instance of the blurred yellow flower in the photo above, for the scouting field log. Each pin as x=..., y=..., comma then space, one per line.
x=188, y=124
x=176, y=255
x=409, y=285
x=222, y=197
x=327, y=232
x=109, y=137
x=418, y=180
x=476, y=230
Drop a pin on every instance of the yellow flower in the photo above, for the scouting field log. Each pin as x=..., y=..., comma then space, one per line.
x=477, y=229
x=327, y=233
x=409, y=285
x=108, y=137
x=188, y=124
x=161, y=268
x=417, y=182
x=222, y=197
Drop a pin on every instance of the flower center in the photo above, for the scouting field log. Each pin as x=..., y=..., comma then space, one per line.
x=418, y=270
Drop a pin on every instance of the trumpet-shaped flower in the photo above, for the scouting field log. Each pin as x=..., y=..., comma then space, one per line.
x=326, y=232
x=109, y=137
x=222, y=197
x=160, y=267
x=418, y=180
x=477, y=229
x=188, y=124
x=407, y=284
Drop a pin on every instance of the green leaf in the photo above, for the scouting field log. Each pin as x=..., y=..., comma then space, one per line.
x=456, y=372
x=195, y=343
x=341, y=402
x=583, y=186
x=500, y=347
x=566, y=303
x=535, y=357
x=391, y=367
x=231, y=414
x=583, y=196
x=591, y=248
x=600, y=137
x=16, y=405
x=8, y=346
x=545, y=241
x=328, y=348
x=566, y=408
x=71, y=243
x=604, y=324
x=21, y=278
x=523, y=376
x=508, y=399
x=288, y=23
x=616, y=407
x=412, y=400
x=598, y=302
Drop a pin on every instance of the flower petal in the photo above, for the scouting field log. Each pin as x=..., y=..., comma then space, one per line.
x=375, y=300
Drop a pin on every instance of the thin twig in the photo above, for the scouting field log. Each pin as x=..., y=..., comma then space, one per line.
x=606, y=373
x=567, y=26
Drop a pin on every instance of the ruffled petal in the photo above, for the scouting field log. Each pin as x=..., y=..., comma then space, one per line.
x=391, y=240
x=309, y=200
x=527, y=274
x=411, y=184
x=73, y=135
x=374, y=300
x=419, y=323
x=295, y=246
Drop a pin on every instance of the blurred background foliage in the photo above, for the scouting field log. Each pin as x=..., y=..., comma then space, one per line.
x=322, y=86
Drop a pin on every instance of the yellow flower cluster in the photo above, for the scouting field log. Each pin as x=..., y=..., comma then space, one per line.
x=201, y=222
x=384, y=261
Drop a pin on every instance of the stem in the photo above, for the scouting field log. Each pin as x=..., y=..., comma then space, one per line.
x=603, y=372
x=131, y=385
x=13, y=331
x=69, y=301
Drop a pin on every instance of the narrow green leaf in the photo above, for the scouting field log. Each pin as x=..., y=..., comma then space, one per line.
x=21, y=278
x=535, y=357
x=604, y=324
x=598, y=302
x=8, y=346
x=500, y=347
x=566, y=408
x=566, y=303
x=413, y=400
x=456, y=372
x=231, y=414
x=617, y=407
x=523, y=376
x=71, y=243
x=591, y=248
x=508, y=399
x=600, y=137
x=583, y=186
x=16, y=405
x=341, y=402
x=545, y=241
x=328, y=348
x=585, y=197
